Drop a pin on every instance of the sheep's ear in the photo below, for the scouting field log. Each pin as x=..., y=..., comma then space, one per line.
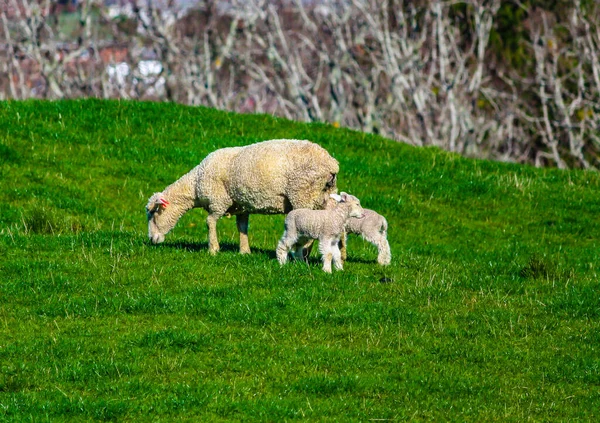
x=335, y=197
x=331, y=181
x=157, y=203
x=344, y=196
x=161, y=202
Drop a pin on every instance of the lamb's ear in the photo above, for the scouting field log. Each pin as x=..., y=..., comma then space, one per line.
x=162, y=202
x=335, y=197
x=344, y=196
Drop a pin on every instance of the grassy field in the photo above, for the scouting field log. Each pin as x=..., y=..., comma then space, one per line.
x=490, y=310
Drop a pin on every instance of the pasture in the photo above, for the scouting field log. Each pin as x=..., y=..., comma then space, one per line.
x=490, y=310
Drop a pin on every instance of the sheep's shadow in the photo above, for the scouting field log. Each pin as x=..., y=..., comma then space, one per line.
x=224, y=247
x=230, y=247
x=360, y=260
x=316, y=258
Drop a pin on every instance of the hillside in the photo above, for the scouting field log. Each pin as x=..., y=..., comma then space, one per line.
x=489, y=310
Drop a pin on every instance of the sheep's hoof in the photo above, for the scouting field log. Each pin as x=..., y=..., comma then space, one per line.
x=244, y=251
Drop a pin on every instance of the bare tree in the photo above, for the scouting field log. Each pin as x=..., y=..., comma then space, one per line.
x=416, y=71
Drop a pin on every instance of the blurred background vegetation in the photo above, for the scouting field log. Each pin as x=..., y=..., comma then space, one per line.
x=512, y=80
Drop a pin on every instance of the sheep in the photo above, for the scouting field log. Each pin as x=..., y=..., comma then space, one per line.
x=269, y=177
x=303, y=225
x=373, y=228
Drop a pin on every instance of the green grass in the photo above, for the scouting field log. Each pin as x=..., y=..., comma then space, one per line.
x=490, y=310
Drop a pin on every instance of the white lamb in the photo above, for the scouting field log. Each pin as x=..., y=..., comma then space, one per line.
x=269, y=177
x=303, y=225
x=373, y=228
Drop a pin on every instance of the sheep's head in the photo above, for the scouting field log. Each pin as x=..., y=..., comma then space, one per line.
x=329, y=188
x=157, y=227
x=331, y=182
x=352, y=204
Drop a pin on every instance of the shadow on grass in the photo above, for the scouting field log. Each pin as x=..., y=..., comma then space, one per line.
x=225, y=247
x=361, y=260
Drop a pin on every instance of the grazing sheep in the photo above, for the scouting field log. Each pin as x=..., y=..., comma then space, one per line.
x=303, y=225
x=269, y=177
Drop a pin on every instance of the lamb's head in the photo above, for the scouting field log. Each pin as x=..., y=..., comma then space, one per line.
x=351, y=203
x=158, y=225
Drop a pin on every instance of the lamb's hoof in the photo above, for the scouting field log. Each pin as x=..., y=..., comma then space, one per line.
x=213, y=251
x=244, y=251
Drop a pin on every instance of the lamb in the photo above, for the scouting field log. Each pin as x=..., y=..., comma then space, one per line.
x=269, y=177
x=373, y=228
x=303, y=225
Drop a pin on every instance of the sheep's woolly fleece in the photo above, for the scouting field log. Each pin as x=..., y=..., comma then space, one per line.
x=269, y=177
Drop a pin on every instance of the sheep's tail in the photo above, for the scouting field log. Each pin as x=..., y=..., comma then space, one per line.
x=384, y=226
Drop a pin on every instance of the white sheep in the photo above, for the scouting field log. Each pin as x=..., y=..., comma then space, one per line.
x=269, y=177
x=303, y=225
x=373, y=228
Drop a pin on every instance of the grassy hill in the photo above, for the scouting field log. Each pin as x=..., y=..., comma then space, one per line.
x=489, y=311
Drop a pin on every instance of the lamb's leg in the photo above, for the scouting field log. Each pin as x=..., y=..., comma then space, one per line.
x=380, y=241
x=213, y=240
x=343, y=242
x=337, y=255
x=385, y=255
x=306, y=250
x=242, y=225
x=300, y=248
x=283, y=248
x=326, y=253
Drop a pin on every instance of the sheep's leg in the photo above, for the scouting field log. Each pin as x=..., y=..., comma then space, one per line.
x=343, y=242
x=337, y=255
x=326, y=253
x=242, y=225
x=300, y=248
x=283, y=248
x=384, y=256
x=307, y=249
x=213, y=240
